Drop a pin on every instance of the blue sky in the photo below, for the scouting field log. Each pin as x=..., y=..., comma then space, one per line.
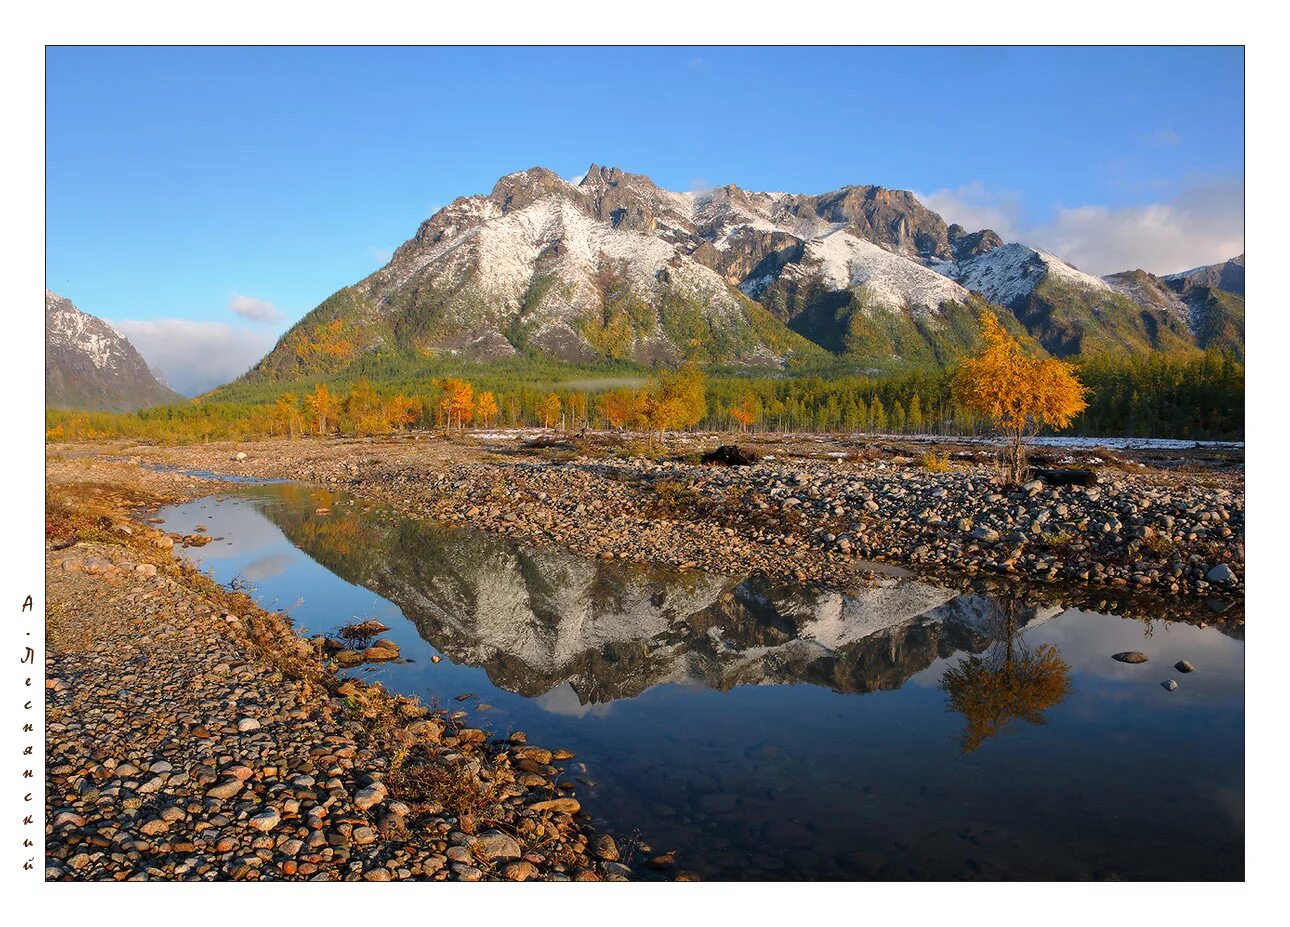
x=204, y=199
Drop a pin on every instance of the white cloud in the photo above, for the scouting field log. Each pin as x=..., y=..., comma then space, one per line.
x=196, y=356
x=974, y=207
x=1204, y=223
x=257, y=310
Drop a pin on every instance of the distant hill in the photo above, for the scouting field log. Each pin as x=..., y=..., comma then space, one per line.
x=90, y=365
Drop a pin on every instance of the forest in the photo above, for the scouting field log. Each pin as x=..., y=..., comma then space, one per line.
x=1192, y=395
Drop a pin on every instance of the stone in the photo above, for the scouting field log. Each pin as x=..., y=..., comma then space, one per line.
x=246, y=725
x=382, y=650
x=565, y=805
x=519, y=871
x=266, y=820
x=1221, y=574
x=494, y=844
x=226, y=789
x=1169, y=685
x=1130, y=656
x=1183, y=666
x=370, y=796
x=604, y=847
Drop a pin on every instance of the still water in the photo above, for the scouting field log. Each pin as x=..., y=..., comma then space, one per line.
x=766, y=731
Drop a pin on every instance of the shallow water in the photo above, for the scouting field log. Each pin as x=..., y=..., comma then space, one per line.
x=773, y=732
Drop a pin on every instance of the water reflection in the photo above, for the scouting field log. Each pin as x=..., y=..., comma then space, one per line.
x=763, y=730
x=1012, y=681
x=538, y=620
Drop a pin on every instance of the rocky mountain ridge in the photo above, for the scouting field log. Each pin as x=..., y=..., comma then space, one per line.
x=614, y=266
x=90, y=365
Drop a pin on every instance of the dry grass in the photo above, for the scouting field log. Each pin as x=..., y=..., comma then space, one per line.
x=1058, y=540
x=1160, y=544
x=934, y=462
x=675, y=497
x=423, y=781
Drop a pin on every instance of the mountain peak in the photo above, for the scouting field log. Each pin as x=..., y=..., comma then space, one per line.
x=90, y=365
x=517, y=190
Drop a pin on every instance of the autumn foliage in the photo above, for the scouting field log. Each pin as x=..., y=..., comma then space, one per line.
x=457, y=401
x=1018, y=392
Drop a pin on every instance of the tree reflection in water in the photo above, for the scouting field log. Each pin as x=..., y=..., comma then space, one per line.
x=1009, y=681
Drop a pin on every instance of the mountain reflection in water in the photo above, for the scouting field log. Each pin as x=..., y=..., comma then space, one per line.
x=720, y=716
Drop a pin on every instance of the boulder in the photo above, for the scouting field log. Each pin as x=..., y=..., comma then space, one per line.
x=730, y=455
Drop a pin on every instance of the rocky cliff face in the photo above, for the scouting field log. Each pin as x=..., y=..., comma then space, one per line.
x=90, y=365
x=1228, y=276
x=614, y=266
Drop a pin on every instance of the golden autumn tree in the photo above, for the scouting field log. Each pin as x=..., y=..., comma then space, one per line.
x=286, y=415
x=457, y=402
x=366, y=410
x=747, y=412
x=402, y=411
x=674, y=399
x=1018, y=392
x=486, y=407
x=617, y=407
x=548, y=410
x=324, y=407
x=1009, y=682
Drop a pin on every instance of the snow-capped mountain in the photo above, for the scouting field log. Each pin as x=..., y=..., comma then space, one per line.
x=610, y=265
x=90, y=365
x=1228, y=276
x=1210, y=300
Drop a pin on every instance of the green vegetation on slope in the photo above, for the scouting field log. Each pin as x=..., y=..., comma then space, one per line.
x=1070, y=320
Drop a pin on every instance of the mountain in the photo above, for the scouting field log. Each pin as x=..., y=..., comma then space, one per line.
x=1210, y=299
x=612, y=266
x=90, y=365
x=1228, y=276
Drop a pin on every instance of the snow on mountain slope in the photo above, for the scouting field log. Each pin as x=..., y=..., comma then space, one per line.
x=614, y=266
x=90, y=365
x=889, y=280
x=1009, y=273
x=68, y=327
x=498, y=257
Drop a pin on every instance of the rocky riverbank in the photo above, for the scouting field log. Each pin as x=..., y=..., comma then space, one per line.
x=823, y=518
x=191, y=735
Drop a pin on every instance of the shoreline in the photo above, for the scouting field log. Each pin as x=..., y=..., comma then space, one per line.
x=192, y=735
x=815, y=511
